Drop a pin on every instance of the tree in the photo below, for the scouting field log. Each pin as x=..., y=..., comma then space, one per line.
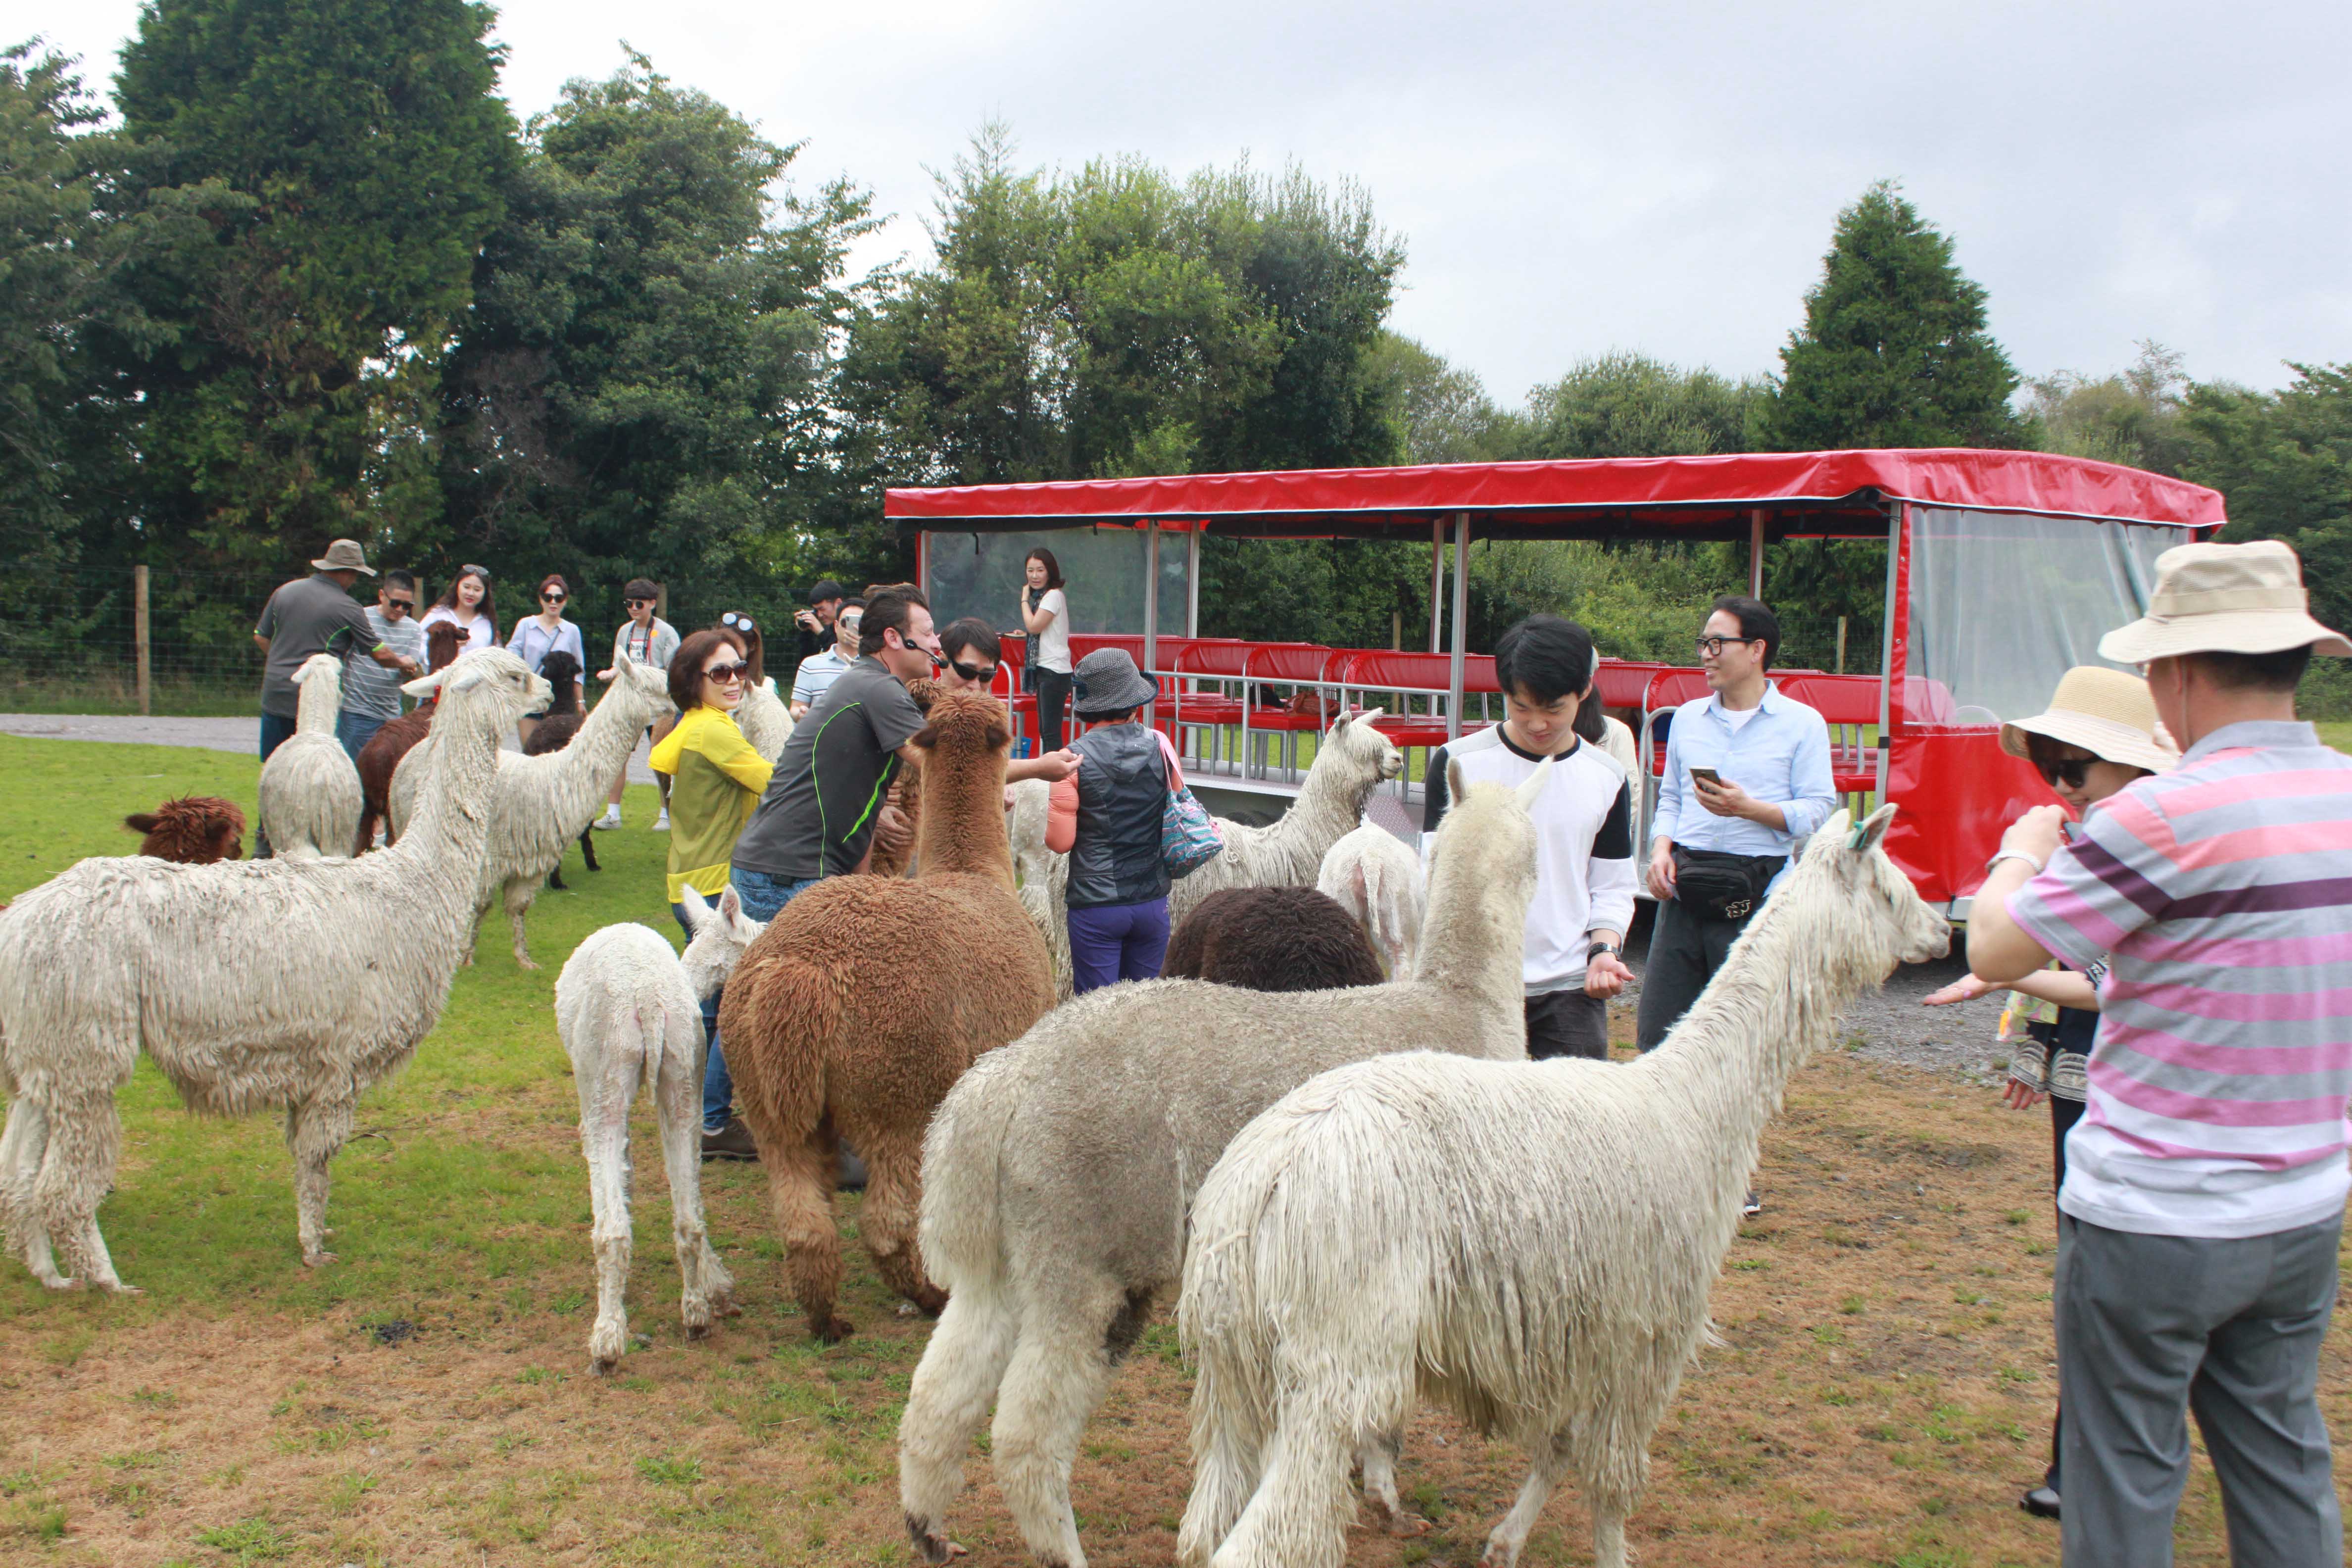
x=2133, y=418
x=1893, y=351
x=643, y=387
x=1630, y=406
x=2283, y=461
x=1441, y=415
x=313, y=179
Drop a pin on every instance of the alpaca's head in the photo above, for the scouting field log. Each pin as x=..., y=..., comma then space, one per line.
x=489, y=683
x=561, y=673
x=964, y=725
x=320, y=666
x=721, y=932
x=1484, y=854
x=1032, y=803
x=194, y=830
x=649, y=680
x=444, y=641
x=1860, y=902
x=1355, y=744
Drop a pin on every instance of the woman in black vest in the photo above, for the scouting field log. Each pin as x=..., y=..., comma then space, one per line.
x=1106, y=816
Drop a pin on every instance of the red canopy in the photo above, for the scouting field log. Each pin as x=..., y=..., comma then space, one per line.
x=1697, y=497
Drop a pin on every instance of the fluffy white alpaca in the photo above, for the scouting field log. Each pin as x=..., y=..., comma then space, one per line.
x=1057, y=1173
x=1375, y=877
x=1045, y=876
x=1529, y=1244
x=249, y=982
x=1350, y=762
x=629, y=1011
x=764, y=720
x=311, y=798
x=543, y=804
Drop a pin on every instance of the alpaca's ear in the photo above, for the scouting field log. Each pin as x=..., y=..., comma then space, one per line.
x=1528, y=792
x=730, y=905
x=1453, y=780
x=142, y=822
x=1830, y=835
x=424, y=686
x=999, y=737
x=1874, y=828
x=697, y=907
x=924, y=739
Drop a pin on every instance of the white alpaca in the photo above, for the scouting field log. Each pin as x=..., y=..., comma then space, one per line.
x=629, y=1011
x=311, y=798
x=1373, y=877
x=764, y=720
x=1059, y=1171
x=249, y=982
x=1528, y=1244
x=544, y=804
x=1350, y=762
x=1045, y=876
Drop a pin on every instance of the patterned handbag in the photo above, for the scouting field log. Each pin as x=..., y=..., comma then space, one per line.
x=1188, y=837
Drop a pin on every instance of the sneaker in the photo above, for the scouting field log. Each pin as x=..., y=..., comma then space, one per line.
x=612, y=818
x=1753, y=1206
x=2042, y=1503
x=732, y=1141
x=661, y=823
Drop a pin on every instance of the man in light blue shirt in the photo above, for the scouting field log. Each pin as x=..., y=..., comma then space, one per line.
x=1747, y=776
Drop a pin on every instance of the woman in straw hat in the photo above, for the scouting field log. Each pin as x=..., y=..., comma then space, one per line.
x=2099, y=734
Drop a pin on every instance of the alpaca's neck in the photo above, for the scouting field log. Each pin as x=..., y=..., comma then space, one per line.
x=962, y=828
x=1474, y=929
x=440, y=854
x=1330, y=805
x=607, y=737
x=319, y=702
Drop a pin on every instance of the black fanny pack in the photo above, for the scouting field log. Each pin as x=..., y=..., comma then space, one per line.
x=1722, y=887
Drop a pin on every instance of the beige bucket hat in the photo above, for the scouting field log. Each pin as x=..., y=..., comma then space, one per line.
x=344, y=556
x=2224, y=598
x=2107, y=713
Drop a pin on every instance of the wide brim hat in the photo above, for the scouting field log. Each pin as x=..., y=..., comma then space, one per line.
x=1107, y=682
x=2106, y=712
x=2224, y=598
x=344, y=556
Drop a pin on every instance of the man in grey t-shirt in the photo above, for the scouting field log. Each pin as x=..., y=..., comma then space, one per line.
x=314, y=614
x=372, y=690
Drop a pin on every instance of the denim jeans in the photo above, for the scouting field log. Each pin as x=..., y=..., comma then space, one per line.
x=1110, y=943
x=763, y=897
x=356, y=730
x=276, y=732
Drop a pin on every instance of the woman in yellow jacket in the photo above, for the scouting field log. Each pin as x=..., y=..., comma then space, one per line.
x=716, y=782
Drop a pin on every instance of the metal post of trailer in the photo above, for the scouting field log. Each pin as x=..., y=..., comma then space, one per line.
x=1756, y=554
x=1193, y=581
x=1898, y=528
x=1150, y=601
x=1461, y=622
x=1436, y=583
x=923, y=563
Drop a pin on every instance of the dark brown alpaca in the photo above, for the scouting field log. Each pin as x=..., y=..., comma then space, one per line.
x=382, y=754
x=1271, y=939
x=562, y=672
x=857, y=1010
x=194, y=830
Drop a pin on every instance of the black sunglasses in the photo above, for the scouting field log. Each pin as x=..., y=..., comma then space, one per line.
x=398, y=607
x=2071, y=773
x=727, y=674
x=972, y=671
x=552, y=598
x=641, y=604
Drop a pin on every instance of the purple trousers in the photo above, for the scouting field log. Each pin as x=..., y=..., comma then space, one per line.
x=1112, y=942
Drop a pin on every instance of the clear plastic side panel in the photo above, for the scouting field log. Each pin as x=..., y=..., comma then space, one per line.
x=1103, y=572
x=2003, y=604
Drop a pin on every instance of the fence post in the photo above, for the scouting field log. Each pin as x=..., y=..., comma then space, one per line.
x=1841, y=654
x=139, y=636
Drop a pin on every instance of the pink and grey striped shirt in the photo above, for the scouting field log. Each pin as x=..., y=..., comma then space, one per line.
x=2224, y=892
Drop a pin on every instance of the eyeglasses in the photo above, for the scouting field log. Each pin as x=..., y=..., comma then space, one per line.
x=727, y=674
x=737, y=623
x=972, y=671
x=398, y=607
x=1712, y=647
x=2071, y=771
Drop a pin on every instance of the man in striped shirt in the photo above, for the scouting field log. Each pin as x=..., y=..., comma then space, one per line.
x=2203, y=1205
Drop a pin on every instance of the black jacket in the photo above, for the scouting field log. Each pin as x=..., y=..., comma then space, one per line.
x=1122, y=796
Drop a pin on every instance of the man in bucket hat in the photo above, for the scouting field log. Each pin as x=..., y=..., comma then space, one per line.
x=314, y=614
x=2203, y=1205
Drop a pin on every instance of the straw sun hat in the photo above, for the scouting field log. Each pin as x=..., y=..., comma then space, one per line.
x=2107, y=713
x=2224, y=598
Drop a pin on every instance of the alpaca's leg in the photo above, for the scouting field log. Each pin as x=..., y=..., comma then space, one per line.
x=606, y=1086
x=894, y=1196
x=1298, y=1516
x=801, y=1174
x=20, y=1168
x=954, y=1382
x=1550, y=1462
x=520, y=892
x=709, y=1289
x=1379, y=1457
x=1229, y=1439
x=315, y=1132
x=1059, y=1373
x=77, y=1171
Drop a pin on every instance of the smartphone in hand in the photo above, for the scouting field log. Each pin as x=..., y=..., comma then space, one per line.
x=1707, y=778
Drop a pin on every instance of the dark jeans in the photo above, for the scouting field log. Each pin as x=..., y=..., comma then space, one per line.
x=356, y=730
x=2063, y=1114
x=1685, y=950
x=275, y=733
x=2154, y=1328
x=1052, y=696
x=1110, y=943
x=1568, y=1024
x=764, y=896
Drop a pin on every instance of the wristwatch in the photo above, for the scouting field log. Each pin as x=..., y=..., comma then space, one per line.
x=1597, y=949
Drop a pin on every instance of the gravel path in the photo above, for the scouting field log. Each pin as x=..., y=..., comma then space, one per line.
x=211, y=734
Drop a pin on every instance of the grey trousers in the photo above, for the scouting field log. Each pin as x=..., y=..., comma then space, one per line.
x=1685, y=950
x=2152, y=1326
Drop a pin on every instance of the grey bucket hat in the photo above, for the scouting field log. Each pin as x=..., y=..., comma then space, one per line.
x=344, y=556
x=1107, y=682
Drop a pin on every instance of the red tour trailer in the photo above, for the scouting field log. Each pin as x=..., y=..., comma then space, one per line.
x=2002, y=569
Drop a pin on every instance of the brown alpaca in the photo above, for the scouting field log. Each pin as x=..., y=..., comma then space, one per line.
x=382, y=754
x=907, y=795
x=1271, y=939
x=194, y=830
x=859, y=1006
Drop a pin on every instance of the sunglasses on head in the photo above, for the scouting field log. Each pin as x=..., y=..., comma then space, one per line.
x=481, y=572
x=972, y=671
x=727, y=674
x=737, y=623
x=2071, y=771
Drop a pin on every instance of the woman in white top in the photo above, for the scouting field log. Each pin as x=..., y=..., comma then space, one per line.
x=1046, y=615
x=536, y=636
x=467, y=606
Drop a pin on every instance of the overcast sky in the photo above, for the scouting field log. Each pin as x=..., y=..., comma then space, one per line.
x=1573, y=178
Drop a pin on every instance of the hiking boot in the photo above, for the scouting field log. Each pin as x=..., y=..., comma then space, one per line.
x=732, y=1141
